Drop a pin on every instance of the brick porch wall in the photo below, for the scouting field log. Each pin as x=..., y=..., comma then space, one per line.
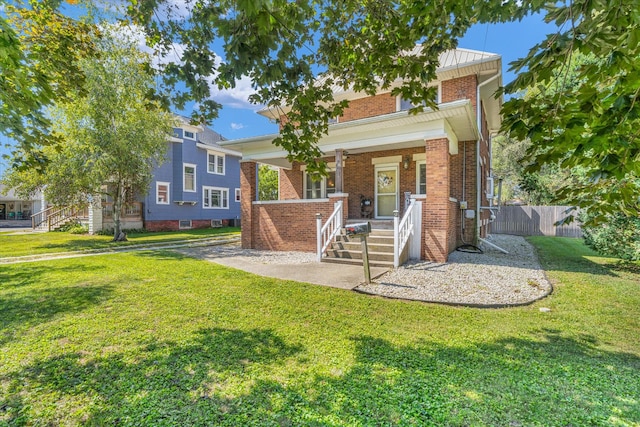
x=289, y=225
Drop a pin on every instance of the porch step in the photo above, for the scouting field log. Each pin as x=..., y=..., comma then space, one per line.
x=348, y=249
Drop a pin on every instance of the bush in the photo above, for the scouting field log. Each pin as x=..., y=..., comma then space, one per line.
x=619, y=236
x=74, y=227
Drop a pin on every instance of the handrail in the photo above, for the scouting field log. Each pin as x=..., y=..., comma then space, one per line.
x=55, y=215
x=329, y=230
x=402, y=230
x=39, y=217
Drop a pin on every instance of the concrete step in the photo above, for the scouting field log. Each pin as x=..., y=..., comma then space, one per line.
x=357, y=246
x=351, y=261
x=357, y=254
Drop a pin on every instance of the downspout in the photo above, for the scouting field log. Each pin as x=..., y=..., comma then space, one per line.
x=478, y=170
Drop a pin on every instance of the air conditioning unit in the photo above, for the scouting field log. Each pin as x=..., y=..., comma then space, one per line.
x=216, y=223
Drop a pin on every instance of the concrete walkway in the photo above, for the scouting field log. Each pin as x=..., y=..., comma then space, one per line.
x=334, y=275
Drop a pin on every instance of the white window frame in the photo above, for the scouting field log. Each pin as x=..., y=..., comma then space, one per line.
x=182, y=221
x=184, y=177
x=168, y=185
x=399, y=99
x=216, y=157
x=323, y=185
x=237, y=194
x=184, y=134
x=208, y=205
x=418, y=164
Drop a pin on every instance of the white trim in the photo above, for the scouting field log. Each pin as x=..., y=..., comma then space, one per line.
x=453, y=199
x=237, y=195
x=289, y=201
x=383, y=167
x=216, y=156
x=195, y=184
x=190, y=138
x=418, y=164
x=389, y=160
x=220, y=150
x=210, y=202
x=419, y=156
x=168, y=185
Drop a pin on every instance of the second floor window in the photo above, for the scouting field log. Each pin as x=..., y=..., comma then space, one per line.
x=215, y=163
x=189, y=135
x=189, y=183
x=162, y=193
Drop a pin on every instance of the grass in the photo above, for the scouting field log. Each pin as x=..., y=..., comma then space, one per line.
x=56, y=241
x=154, y=338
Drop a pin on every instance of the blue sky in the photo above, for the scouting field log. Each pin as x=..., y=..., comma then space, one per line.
x=238, y=119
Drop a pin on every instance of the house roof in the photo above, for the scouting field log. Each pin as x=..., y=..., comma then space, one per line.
x=453, y=63
x=209, y=139
x=454, y=120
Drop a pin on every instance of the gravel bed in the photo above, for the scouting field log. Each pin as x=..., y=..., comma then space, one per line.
x=488, y=279
x=260, y=257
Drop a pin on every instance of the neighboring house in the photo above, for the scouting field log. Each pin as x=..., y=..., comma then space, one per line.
x=378, y=152
x=197, y=186
x=13, y=208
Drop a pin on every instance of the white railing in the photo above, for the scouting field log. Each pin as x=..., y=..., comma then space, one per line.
x=328, y=231
x=402, y=231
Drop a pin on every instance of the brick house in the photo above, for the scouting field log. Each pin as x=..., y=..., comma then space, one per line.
x=435, y=164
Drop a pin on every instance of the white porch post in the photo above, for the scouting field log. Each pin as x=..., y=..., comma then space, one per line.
x=319, y=238
x=416, y=237
x=339, y=174
x=396, y=239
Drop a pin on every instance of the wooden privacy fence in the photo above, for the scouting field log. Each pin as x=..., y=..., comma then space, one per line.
x=535, y=221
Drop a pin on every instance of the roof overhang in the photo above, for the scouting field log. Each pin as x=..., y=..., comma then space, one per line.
x=454, y=121
x=220, y=150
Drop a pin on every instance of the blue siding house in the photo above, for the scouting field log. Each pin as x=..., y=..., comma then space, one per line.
x=197, y=186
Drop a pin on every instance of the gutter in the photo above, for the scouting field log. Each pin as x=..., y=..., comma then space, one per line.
x=478, y=170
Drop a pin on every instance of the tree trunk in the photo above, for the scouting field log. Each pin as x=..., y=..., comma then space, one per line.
x=118, y=234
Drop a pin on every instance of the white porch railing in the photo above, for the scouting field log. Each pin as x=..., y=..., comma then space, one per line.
x=328, y=231
x=402, y=231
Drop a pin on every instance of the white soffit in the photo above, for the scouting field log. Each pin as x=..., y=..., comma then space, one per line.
x=454, y=120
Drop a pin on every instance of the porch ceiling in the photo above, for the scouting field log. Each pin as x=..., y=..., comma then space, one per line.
x=453, y=120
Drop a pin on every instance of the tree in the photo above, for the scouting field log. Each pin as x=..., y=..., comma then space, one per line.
x=267, y=183
x=296, y=53
x=39, y=53
x=111, y=136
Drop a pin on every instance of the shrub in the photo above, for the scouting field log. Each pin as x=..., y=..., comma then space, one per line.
x=619, y=236
x=74, y=227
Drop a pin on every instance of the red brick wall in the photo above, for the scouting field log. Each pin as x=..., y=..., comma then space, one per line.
x=289, y=226
x=248, y=189
x=291, y=183
x=435, y=219
x=460, y=88
x=369, y=107
x=174, y=225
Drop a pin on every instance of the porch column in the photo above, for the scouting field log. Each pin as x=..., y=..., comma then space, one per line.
x=436, y=212
x=339, y=180
x=248, y=194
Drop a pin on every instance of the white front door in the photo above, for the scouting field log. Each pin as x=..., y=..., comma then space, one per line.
x=386, y=191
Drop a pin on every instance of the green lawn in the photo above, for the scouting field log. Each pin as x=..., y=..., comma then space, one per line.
x=157, y=339
x=53, y=242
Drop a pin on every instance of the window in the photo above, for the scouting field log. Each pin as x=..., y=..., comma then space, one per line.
x=189, y=178
x=237, y=194
x=421, y=178
x=215, y=198
x=319, y=189
x=184, y=223
x=215, y=163
x=162, y=193
x=404, y=105
x=189, y=135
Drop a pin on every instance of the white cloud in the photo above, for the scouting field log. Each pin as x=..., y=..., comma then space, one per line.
x=237, y=126
x=236, y=97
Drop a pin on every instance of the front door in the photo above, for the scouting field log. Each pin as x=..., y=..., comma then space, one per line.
x=386, y=191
